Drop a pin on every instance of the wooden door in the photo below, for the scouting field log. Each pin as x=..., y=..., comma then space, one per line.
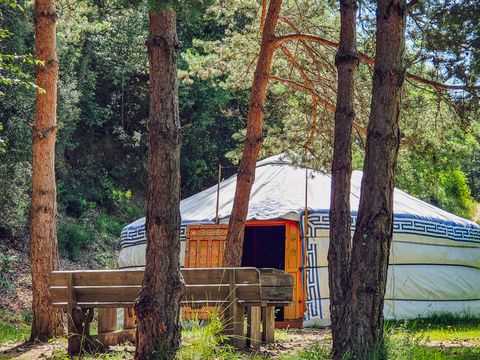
x=293, y=263
x=205, y=245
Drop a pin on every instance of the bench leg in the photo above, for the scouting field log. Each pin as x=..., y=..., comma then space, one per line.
x=79, y=330
x=253, y=326
x=268, y=322
x=238, y=339
x=107, y=320
x=129, y=320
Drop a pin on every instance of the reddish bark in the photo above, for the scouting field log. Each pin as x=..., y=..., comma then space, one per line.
x=47, y=321
x=158, y=305
x=253, y=141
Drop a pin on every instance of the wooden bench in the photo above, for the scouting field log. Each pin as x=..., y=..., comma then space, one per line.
x=257, y=291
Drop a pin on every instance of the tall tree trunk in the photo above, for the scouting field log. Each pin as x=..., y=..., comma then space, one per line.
x=253, y=141
x=47, y=321
x=339, y=250
x=374, y=228
x=158, y=305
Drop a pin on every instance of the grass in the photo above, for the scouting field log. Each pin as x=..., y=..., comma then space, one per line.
x=13, y=334
x=440, y=328
x=437, y=338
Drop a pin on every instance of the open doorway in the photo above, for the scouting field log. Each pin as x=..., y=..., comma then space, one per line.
x=264, y=247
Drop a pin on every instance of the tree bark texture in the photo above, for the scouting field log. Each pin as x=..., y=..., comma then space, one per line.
x=374, y=227
x=47, y=321
x=339, y=250
x=158, y=304
x=253, y=141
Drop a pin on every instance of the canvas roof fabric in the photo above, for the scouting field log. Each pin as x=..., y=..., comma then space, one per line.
x=279, y=193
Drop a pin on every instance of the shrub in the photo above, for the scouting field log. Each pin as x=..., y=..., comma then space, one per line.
x=14, y=196
x=6, y=262
x=73, y=237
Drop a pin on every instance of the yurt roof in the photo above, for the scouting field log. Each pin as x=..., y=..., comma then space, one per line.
x=279, y=192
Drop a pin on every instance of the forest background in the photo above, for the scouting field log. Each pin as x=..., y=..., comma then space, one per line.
x=103, y=108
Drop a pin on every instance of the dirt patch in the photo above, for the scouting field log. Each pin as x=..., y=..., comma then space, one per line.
x=30, y=351
x=292, y=341
x=288, y=343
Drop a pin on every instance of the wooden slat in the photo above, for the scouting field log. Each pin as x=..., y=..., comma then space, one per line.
x=96, y=304
x=276, y=280
x=219, y=275
x=206, y=292
x=277, y=293
x=98, y=277
x=135, y=276
x=116, y=337
x=87, y=294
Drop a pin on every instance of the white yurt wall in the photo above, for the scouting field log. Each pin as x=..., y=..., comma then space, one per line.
x=434, y=268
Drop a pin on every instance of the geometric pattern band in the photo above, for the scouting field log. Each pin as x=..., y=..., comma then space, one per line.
x=403, y=224
x=137, y=235
x=313, y=297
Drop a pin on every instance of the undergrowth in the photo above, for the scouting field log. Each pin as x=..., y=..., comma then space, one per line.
x=407, y=340
x=13, y=333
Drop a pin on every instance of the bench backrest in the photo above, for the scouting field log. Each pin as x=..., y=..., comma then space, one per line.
x=119, y=288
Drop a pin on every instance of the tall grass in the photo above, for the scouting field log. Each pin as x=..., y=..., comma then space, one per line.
x=205, y=339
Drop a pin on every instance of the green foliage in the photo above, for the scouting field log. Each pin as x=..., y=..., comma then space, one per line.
x=205, y=339
x=14, y=69
x=14, y=197
x=13, y=333
x=314, y=352
x=409, y=340
x=6, y=263
x=101, y=152
x=73, y=237
x=455, y=194
x=94, y=232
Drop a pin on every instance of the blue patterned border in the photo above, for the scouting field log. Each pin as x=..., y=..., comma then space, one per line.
x=137, y=235
x=313, y=297
x=403, y=224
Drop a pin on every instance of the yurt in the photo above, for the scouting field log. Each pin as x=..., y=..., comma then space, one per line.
x=434, y=259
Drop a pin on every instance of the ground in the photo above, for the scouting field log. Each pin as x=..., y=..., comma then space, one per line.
x=420, y=340
x=438, y=338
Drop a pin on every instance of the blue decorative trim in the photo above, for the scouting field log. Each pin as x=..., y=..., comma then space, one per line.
x=403, y=224
x=313, y=296
x=137, y=235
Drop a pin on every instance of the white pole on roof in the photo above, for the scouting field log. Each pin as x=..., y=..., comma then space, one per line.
x=218, y=192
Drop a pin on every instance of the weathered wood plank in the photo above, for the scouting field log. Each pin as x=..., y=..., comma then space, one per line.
x=107, y=320
x=129, y=320
x=73, y=332
x=98, y=277
x=268, y=324
x=273, y=293
x=254, y=334
x=116, y=337
x=135, y=276
x=276, y=280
